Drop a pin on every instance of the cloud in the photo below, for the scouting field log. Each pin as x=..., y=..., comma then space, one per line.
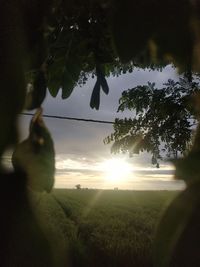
x=87, y=172
x=79, y=145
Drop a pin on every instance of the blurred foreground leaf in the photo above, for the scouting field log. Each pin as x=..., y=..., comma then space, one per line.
x=178, y=236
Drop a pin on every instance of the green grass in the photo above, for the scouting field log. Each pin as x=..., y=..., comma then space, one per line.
x=110, y=228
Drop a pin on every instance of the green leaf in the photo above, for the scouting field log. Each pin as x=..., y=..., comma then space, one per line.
x=102, y=80
x=35, y=97
x=95, y=98
x=104, y=85
x=54, y=84
x=177, y=230
x=68, y=84
x=39, y=90
x=55, y=73
x=74, y=69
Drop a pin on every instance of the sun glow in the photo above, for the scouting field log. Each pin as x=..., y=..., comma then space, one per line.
x=116, y=170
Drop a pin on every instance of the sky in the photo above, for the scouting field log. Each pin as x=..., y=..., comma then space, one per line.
x=83, y=158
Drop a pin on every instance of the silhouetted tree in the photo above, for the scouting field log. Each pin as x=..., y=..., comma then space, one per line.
x=163, y=120
x=78, y=186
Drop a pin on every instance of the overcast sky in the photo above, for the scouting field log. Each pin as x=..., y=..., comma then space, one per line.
x=79, y=145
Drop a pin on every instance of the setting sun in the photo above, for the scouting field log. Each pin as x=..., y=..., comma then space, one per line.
x=116, y=169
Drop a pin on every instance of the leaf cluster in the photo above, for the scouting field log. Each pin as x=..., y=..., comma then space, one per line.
x=162, y=120
x=81, y=36
x=65, y=42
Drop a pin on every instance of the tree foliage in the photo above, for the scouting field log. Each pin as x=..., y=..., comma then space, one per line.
x=59, y=44
x=85, y=38
x=163, y=119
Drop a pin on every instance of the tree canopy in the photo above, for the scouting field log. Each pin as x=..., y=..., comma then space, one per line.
x=58, y=44
x=99, y=37
x=163, y=119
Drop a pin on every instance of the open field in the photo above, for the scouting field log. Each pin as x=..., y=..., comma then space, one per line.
x=110, y=228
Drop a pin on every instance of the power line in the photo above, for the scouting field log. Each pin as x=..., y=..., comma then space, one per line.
x=69, y=118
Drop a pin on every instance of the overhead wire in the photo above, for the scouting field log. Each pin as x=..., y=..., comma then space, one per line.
x=80, y=119
x=69, y=118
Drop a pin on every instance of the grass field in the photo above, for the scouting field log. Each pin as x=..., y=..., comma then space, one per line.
x=107, y=227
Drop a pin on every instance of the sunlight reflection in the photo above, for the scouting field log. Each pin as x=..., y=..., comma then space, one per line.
x=92, y=203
